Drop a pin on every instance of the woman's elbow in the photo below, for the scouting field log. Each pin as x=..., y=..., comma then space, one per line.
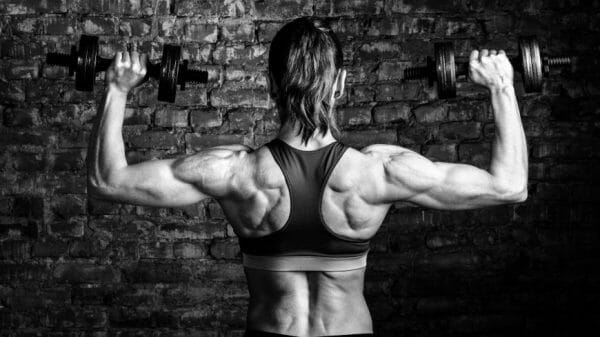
x=99, y=189
x=514, y=195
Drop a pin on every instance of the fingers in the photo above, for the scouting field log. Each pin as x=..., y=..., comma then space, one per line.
x=474, y=56
x=126, y=61
x=117, y=58
x=493, y=52
x=143, y=63
x=135, y=60
x=483, y=54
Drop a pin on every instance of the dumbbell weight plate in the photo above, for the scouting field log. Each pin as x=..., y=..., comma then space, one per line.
x=85, y=73
x=531, y=62
x=445, y=69
x=169, y=72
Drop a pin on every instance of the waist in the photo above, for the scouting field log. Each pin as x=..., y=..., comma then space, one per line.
x=305, y=262
x=258, y=333
x=307, y=303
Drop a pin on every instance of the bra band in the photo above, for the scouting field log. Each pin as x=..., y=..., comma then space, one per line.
x=304, y=262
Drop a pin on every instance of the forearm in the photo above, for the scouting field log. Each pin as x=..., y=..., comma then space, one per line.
x=509, y=152
x=106, y=152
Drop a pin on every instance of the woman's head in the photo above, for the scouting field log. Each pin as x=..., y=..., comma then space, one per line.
x=305, y=61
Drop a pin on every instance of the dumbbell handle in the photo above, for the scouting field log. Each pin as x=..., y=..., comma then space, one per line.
x=153, y=69
x=462, y=68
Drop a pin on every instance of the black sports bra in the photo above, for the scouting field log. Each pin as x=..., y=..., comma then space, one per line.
x=304, y=243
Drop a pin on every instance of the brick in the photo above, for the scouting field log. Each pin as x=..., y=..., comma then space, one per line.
x=86, y=273
x=192, y=96
x=87, y=248
x=391, y=113
x=361, y=93
x=352, y=116
x=225, y=249
x=397, y=92
x=69, y=161
x=190, y=250
x=233, y=8
x=155, y=139
x=238, y=31
x=6, y=205
x=29, y=162
x=59, y=26
x=15, y=7
x=416, y=134
x=347, y=29
x=460, y=130
x=403, y=7
x=22, y=116
x=154, y=272
x=267, y=31
x=86, y=317
x=29, y=206
x=469, y=110
x=28, y=26
x=285, y=9
x=205, y=118
x=99, y=26
x=67, y=205
x=237, y=54
x=388, y=70
x=15, y=250
x=475, y=154
x=430, y=113
x=350, y=7
x=12, y=92
x=232, y=97
x=205, y=33
x=71, y=228
x=156, y=250
x=258, y=78
x=197, y=142
x=49, y=248
x=536, y=109
x=21, y=69
x=17, y=137
x=215, y=211
x=445, y=152
x=386, y=26
x=168, y=117
x=194, y=231
x=359, y=139
x=240, y=119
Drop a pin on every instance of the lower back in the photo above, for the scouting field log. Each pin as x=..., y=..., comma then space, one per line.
x=308, y=303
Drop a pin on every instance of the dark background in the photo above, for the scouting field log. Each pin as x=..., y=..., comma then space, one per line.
x=71, y=266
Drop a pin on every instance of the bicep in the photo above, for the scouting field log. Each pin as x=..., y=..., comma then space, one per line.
x=408, y=176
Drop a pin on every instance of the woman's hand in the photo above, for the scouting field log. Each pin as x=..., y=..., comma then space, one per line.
x=491, y=69
x=127, y=71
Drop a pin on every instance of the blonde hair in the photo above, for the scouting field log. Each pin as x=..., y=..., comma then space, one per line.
x=304, y=60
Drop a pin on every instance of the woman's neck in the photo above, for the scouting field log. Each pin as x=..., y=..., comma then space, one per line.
x=291, y=135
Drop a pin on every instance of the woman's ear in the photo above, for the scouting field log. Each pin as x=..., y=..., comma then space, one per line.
x=340, y=84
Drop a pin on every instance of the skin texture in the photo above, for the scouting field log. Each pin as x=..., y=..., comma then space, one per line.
x=252, y=191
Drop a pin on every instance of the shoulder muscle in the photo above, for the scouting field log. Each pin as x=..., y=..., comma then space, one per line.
x=215, y=171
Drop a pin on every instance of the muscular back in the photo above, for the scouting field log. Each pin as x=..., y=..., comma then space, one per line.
x=306, y=303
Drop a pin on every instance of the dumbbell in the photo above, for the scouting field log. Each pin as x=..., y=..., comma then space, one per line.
x=84, y=62
x=443, y=69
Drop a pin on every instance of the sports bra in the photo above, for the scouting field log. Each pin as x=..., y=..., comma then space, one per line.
x=304, y=243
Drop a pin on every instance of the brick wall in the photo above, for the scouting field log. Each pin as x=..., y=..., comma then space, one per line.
x=71, y=266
